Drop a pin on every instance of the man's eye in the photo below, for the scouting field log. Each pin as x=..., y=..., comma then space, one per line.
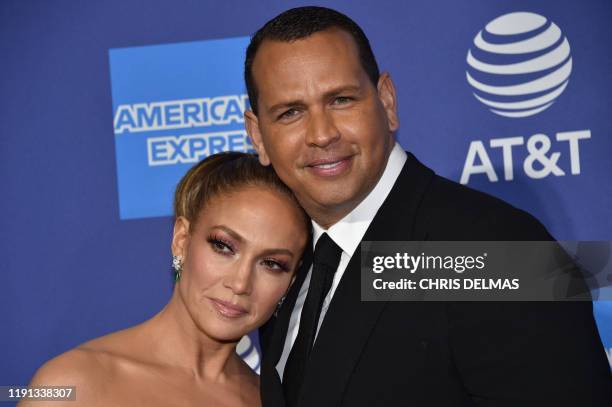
x=288, y=114
x=340, y=100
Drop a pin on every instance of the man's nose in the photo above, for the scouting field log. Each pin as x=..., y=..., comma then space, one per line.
x=322, y=130
x=240, y=280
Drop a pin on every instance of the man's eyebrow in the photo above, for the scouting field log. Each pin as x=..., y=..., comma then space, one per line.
x=286, y=105
x=299, y=102
x=342, y=89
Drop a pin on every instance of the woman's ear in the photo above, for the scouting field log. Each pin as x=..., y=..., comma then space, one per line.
x=180, y=236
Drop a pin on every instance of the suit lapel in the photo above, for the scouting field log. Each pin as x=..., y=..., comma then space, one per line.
x=349, y=321
x=271, y=386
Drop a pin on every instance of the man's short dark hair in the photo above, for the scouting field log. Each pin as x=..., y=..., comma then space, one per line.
x=302, y=22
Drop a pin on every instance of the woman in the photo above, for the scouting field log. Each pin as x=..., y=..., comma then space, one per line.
x=238, y=238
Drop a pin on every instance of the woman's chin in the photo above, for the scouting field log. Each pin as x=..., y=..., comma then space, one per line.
x=226, y=331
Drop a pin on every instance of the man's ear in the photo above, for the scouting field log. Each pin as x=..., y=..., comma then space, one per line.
x=251, y=123
x=388, y=97
x=180, y=236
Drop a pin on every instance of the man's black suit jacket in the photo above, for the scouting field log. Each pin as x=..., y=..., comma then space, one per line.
x=443, y=353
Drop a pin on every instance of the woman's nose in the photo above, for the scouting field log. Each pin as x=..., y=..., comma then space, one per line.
x=240, y=280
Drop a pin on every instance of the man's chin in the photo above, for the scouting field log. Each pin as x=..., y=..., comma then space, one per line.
x=334, y=202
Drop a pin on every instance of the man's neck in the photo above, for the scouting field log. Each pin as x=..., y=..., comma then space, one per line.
x=326, y=217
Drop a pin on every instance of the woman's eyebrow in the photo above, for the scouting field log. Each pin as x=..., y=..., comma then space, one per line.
x=277, y=251
x=235, y=235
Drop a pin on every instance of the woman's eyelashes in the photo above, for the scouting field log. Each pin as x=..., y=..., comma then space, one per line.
x=226, y=248
x=221, y=245
x=275, y=265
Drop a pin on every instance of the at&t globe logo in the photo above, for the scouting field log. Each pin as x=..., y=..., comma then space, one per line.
x=519, y=64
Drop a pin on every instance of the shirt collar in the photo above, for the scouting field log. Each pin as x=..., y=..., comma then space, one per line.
x=348, y=231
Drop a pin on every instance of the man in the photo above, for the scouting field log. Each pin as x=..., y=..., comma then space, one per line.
x=325, y=118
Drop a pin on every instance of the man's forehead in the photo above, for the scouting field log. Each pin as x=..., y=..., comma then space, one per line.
x=325, y=56
x=274, y=53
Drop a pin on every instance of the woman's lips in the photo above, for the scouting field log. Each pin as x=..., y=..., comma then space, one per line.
x=330, y=167
x=227, y=309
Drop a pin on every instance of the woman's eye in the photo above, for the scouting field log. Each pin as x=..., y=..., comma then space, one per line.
x=274, y=265
x=221, y=247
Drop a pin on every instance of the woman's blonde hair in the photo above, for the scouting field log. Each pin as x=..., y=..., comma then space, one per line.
x=224, y=173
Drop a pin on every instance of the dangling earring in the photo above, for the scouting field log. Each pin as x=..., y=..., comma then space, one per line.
x=177, y=265
x=279, y=305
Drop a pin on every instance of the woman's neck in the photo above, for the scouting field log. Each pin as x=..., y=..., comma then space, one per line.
x=179, y=342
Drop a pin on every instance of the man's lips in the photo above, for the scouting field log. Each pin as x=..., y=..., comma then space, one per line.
x=328, y=167
x=228, y=309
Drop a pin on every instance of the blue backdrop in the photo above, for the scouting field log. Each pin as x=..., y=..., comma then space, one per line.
x=103, y=105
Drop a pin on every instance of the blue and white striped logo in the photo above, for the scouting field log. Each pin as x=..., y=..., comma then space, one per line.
x=247, y=350
x=519, y=64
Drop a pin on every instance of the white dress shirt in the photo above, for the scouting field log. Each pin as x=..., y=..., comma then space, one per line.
x=346, y=233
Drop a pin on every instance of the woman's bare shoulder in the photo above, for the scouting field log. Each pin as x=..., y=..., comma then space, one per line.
x=75, y=366
x=125, y=343
x=90, y=367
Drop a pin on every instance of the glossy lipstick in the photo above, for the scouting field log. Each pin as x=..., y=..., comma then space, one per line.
x=228, y=309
